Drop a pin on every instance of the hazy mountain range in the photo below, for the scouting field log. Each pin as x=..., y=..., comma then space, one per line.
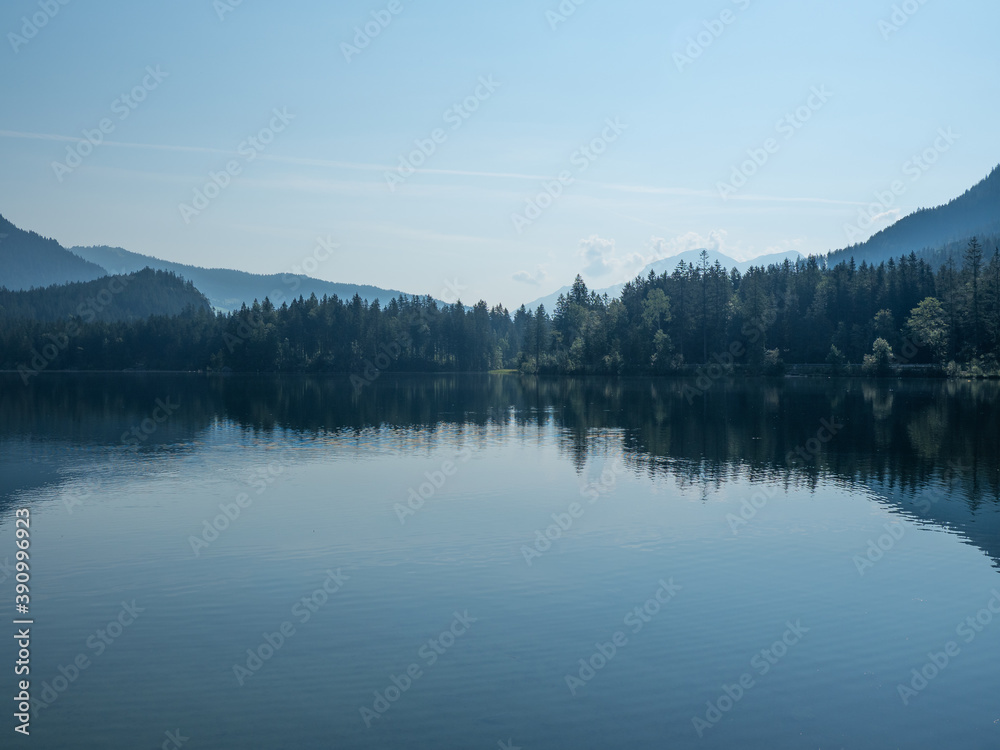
x=28, y=259
x=935, y=233
x=227, y=289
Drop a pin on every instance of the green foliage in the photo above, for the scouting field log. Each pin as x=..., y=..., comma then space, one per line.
x=757, y=321
x=928, y=325
x=879, y=362
x=112, y=298
x=656, y=310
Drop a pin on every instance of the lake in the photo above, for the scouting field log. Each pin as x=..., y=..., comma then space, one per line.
x=497, y=561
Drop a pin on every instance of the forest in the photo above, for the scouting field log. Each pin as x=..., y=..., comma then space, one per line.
x=126, y=297
x=845, y=317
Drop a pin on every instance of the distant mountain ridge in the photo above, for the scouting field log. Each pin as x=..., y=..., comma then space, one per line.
x=134, y=296
x=228, y=289
x=926, y=231
x=29, y=260
x=667, y=265
x=694, y=256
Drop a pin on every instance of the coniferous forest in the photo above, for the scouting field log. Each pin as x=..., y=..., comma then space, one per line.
x=901, y=312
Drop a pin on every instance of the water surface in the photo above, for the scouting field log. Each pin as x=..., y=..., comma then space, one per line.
x=857, y=521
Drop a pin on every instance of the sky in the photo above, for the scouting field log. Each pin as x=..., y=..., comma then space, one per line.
x=497, y=149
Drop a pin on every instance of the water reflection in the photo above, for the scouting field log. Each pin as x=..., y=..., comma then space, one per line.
x=932, y=448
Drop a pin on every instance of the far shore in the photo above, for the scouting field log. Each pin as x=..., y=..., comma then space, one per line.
x=710, y=370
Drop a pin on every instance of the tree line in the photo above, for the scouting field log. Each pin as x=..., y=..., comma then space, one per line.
x=131, y=296
x=900, y=311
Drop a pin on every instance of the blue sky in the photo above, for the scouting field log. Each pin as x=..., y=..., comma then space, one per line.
x=646, y=188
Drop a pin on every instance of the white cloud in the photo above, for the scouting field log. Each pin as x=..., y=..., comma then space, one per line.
x=524, y=277
x=785, y=246
x=886, y=218
x=715, y=240
x=600, y=257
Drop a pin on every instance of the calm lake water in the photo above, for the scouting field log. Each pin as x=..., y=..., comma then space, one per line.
x=463, y=562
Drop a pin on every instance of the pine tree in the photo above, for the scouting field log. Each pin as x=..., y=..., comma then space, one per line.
x=973, y=264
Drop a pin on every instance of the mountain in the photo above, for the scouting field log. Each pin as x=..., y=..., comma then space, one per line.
x=929, y=231
x=667, y=265
x=694, y=256
x=29, y=260
x=111, y=298
x=229, y=289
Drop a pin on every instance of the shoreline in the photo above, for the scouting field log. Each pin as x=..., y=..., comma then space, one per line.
x=846, y=372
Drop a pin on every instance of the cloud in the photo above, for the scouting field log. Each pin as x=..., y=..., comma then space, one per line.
x=524, y=277
x=304, y=161
x=600, y=257
x=715, y=240
x=597, y=254
x=785, y=246
x=887, y=217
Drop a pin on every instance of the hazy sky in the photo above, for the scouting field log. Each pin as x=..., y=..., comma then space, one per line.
x=667, y=98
